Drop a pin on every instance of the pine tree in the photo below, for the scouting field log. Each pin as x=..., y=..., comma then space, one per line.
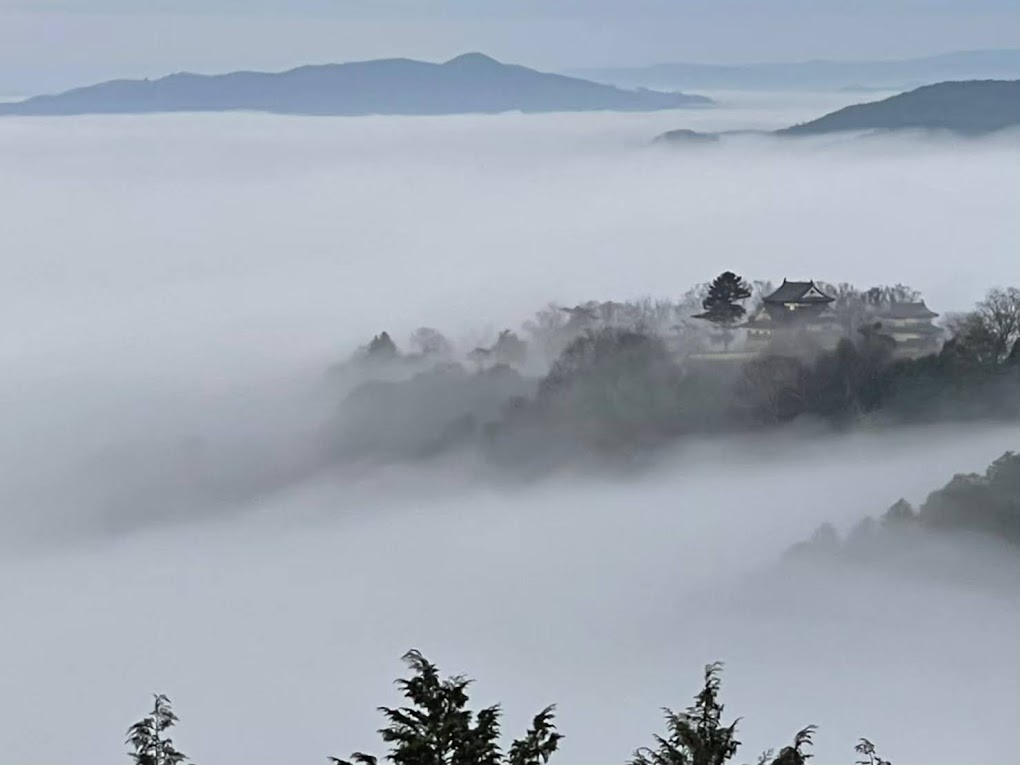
x=722, y=304
x=869, y=755
x=382, y=347
x=696, y=736
x=538, y=744
x=795, y=754
x=148, y=736
x=438, y=728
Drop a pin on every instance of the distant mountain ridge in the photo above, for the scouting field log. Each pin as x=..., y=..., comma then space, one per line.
x=818, y=75
x=968, y=108
x=971, y=108
x=471, y=83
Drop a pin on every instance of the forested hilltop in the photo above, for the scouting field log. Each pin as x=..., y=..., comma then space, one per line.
x=976, y=507
x=970, y=108
x=612, y=380
x=974, y=107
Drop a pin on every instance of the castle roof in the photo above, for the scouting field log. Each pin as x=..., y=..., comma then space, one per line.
x=798, y=292
x=916, y=310
x=916, y=329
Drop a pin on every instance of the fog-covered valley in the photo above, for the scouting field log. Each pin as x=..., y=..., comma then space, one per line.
x=175, y=289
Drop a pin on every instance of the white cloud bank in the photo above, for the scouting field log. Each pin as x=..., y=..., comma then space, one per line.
x=177, y=284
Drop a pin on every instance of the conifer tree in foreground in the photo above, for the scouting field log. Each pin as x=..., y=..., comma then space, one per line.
x=869, y=755
x=438, y=728
x=697, y=736
x=148, y=737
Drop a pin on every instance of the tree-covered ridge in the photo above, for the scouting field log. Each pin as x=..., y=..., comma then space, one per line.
x=973, y=107
x=438, y=727
x=980, y=504
x=607, y=379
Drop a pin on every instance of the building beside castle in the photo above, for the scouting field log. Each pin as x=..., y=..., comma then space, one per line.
x=910, y=325
x=799, y=316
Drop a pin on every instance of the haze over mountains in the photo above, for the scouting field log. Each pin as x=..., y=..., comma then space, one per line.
x=817, y=75
x=175, y=287
x=471, y=83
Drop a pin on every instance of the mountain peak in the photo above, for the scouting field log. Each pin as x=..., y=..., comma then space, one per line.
x=472, y=83
x=472, y=59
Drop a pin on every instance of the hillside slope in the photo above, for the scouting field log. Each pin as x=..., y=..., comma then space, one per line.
x=971, y=108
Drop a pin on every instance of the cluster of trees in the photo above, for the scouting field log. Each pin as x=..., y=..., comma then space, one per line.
x=438, y=727
x=990, y=330
x=990, y=334
x=616, y=389
x=430, y=344
x=623, y=377
x=861, y=378
x=426, y=349
x=985, y=504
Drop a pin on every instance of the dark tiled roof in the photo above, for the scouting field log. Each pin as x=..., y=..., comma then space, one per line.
x=907, y=311
x=920, y=329
x=794, y=292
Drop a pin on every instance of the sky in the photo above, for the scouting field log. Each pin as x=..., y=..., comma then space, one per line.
x=52, y=44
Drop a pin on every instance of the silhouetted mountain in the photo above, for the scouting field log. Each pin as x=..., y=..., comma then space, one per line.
x=972, y=108
x=975, y=107
x=819, y=75
x=469, y=83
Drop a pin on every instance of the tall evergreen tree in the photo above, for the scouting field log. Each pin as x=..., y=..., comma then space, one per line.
x=869, y=755
x=438, y=728
x=794, y=754
x=697, y=735
x=382, y=347
x=148, y=737
x=538, y=744
x=722, y=303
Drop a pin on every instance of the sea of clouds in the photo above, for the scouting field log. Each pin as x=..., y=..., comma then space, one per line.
x=173, y=289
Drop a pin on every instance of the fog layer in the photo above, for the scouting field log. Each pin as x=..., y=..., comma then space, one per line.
x=175, y=287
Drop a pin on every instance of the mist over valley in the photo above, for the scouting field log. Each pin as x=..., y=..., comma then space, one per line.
x=185, y=297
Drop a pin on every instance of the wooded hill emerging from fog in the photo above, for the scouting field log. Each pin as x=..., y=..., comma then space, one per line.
x=471, y=83
x=625, y=378
x=968, y=108
x=973, y=505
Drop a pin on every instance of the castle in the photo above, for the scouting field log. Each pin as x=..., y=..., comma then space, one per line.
x=801, y=316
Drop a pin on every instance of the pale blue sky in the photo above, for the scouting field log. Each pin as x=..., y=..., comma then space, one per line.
x=56, y=43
